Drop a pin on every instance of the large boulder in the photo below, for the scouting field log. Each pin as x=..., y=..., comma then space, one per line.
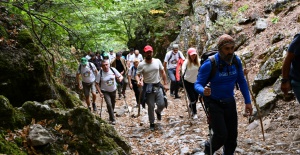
x=270, y=69
x=266, y=100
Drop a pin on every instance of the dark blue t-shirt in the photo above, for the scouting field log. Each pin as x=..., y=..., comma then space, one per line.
x=295, y=66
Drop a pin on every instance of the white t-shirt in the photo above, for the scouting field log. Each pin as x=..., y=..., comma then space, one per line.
x=128, y=56
x=88, y=74
x=132, y=72
x=108, y=80
x=133, y=56
x=150, y=72
x=111, y=56
x=191, y=73
x=172, y=63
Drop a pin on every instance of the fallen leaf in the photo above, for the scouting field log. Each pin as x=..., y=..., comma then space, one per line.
x=57, y=127
x=65, y=147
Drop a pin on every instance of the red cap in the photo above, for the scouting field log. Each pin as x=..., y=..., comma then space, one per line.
x=148, y=48
x=192, y=51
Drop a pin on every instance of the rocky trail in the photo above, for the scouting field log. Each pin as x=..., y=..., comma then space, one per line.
x=176, y=133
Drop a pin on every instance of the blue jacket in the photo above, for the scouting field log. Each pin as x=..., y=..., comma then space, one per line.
x=223, y=82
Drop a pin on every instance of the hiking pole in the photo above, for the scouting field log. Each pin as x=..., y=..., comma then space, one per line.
x=186, y=98
x=256, y=105
x=101, y=106
x=128, y=110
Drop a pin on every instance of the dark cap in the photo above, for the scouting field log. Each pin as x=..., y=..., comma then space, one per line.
x=119, y=54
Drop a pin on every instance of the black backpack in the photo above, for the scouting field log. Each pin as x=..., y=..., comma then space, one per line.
x=211, y=56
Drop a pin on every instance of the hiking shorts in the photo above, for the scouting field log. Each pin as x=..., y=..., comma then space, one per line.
x=87, y=87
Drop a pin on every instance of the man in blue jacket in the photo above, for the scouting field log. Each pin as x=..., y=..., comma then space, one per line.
x=219, y=96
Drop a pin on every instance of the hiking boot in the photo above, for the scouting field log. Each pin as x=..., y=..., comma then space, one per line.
x=94, y=107
x=177, y=97
x=113, y=122
x=172, y=94
x=120, y=96
x=152, y=126
x=158, y=115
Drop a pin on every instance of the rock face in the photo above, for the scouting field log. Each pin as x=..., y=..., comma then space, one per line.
x=25, y=69
x=57, y=124
x=52, y=128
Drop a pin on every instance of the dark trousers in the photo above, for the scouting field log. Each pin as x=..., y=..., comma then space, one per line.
x=223, y=121
x=192, y=95
x=136, y=90
x=110, y=99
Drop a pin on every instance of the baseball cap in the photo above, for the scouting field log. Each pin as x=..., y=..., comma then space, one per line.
x=105, y=54
x=192, y=51
x=83, y=61
x=148, y=48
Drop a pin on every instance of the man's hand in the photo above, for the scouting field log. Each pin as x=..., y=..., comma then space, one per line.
x=207, y=91
x=248, y=110
x=80, y=86
x=166, y=87
x=130, y=86
x=101, y=95
x=286, y=87
x=140, y=84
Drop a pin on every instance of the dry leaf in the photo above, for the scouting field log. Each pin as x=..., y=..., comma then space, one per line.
x=32, y=121
x=57, y=127
x=66, y=147
x=70, y=122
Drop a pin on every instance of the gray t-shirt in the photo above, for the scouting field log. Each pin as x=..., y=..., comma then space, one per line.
x=87, y=72
x=108, y=80
x=150, y=71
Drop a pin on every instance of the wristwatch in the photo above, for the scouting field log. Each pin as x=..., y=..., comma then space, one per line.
x=284, y=80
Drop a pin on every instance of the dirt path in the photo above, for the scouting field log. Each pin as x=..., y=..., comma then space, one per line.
x=177, y=134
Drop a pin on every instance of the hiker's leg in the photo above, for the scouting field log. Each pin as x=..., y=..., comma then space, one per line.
x=119, y=88
x=193, y=97
x=125, y=81
x=160, y=102
x=173, y=80
x=151, y=105
x=109, y=105
x=136, y=90
x=232, y=128
x=86, y=91
x=113, y=99
x=93, y=89
x=296, y=89
x=218, y=125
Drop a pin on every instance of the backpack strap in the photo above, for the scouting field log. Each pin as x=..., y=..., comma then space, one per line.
x=174, y=54
x=214, y=67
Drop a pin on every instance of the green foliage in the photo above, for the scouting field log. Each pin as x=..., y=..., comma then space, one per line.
x=223, y=24
x=243, y=8
x=275, y=20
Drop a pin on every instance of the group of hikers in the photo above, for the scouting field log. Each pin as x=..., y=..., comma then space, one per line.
x=212, y=78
